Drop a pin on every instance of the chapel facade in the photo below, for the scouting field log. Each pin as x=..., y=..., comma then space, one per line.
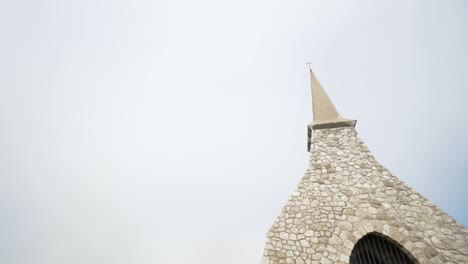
x=350, y=209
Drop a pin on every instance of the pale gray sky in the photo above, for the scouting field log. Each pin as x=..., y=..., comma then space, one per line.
x=174, y=131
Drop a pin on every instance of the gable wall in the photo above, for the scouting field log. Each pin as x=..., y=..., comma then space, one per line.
x=346, y=194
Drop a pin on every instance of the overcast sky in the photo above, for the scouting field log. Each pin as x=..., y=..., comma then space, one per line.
x=174, y=131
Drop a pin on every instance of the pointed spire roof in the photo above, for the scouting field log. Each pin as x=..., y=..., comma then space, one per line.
x=325, y=113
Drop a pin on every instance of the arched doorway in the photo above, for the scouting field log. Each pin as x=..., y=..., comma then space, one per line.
x=374, y=248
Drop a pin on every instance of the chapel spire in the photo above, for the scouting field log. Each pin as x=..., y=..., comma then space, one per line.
x=349, y=209
x=325, y=113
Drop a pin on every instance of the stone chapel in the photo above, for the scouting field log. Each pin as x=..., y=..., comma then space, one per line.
x=350, y=209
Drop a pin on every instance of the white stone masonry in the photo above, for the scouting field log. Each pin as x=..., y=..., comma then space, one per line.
x=347, y=194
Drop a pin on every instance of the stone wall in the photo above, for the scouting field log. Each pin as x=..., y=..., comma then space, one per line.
x=347, y=194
